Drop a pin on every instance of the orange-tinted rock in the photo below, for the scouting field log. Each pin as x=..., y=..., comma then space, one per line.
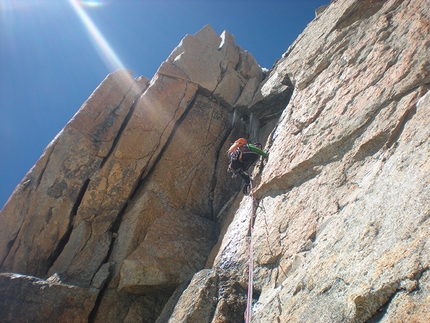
x=144, y=136
x=39, y=214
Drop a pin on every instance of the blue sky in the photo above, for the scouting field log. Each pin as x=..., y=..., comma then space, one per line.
x=54, y=53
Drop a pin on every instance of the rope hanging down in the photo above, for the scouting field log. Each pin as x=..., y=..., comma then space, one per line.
x=250, y=260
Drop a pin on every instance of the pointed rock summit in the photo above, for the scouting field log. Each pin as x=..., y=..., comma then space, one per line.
x=130, y=216
x=125, y=199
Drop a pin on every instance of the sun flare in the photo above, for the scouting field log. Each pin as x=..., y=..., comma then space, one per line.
x=99, y=41
x=92, y=3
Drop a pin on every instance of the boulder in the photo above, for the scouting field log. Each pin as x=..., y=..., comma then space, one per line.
x=173, y=250
x=200, y=304
x=30, y=299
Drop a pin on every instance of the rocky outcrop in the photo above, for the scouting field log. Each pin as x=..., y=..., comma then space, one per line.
x=35, y=300
x=124, y=200
x=131, y=201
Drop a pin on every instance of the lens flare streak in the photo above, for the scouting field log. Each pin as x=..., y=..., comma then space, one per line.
x=93, y=3
x=102, y=46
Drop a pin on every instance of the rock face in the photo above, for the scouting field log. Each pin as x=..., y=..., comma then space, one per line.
x=125, y=199
x=130, y=206
x=34, y=300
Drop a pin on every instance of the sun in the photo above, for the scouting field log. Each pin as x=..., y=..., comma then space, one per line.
x=92, y=3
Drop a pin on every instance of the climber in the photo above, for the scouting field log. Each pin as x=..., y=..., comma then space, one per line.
x=242, y=156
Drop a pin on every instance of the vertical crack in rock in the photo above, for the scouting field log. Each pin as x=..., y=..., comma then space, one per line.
x=114, y=230
x=216, y=172
x=142, y=179
x=377, y=317
x=139, y=184
x=49, y=151
x=168, y=309
x=93, y=313
x=419, y=274
x=408, y=285
x=123, y=125
x=146, y=174
x=63, y=241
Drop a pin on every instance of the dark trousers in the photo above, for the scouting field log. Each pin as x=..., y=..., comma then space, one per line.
x=241, y=166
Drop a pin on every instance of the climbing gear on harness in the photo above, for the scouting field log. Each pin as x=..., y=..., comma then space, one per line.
x=236, y=155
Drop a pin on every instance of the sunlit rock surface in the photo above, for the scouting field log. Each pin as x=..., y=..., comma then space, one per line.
x=131, y=202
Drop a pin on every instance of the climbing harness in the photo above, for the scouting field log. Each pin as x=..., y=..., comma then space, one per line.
x=236, y=155
x=250, y=260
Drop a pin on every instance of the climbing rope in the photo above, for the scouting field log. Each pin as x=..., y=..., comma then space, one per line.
x=250, y=260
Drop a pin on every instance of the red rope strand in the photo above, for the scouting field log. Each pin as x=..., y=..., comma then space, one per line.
x=250, y=260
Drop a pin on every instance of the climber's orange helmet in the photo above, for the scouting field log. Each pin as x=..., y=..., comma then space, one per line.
x=237, y=144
